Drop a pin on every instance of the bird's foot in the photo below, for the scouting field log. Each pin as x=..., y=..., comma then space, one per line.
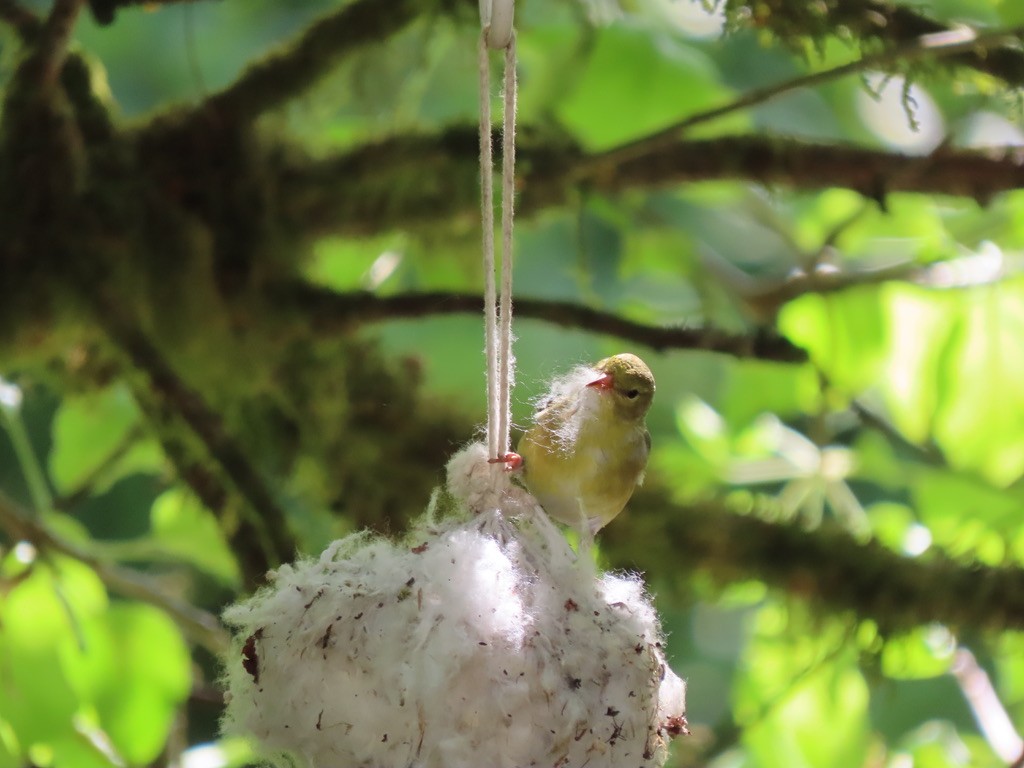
x=512, y=461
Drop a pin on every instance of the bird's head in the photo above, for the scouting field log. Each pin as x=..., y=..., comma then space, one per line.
x=629, y=383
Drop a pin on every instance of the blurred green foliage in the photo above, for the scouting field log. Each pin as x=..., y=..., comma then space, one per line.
x=906, y=425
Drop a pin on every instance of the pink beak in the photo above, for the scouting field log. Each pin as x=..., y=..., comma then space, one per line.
x=605, y=383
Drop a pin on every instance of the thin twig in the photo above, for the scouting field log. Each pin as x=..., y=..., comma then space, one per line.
x=330, y=312
x=31, y=468
x=198, y=625
x=937, y=45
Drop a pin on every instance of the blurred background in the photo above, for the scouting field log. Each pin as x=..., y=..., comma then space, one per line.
x=831, y=521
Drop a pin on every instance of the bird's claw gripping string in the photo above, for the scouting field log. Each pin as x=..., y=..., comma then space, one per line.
x=512, y=461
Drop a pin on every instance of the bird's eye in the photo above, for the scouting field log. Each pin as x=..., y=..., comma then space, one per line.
x=633, y=394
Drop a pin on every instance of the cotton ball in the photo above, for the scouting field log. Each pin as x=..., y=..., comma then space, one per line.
x=484, y=487
x=481, y=641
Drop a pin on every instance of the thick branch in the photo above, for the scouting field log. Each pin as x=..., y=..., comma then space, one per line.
x=270, y=525
x=286, y=73
x=798, y=165
x=826, y=566
x=421, y=180
x=329, y=312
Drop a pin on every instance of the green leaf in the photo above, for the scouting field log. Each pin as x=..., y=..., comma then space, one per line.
x=347, y=265
x=84, y=750
x=890, y=524
x=548, y=59
x=754, y=388
x=42, y=618
x=822, y=723
x=46, y=606
x=138, y=697
x=799, y=694
x=965, y=515
x=1011, y=12
x=36, y=698
x=937, y=744
x=10, y=751
x=635, y=82
x=87, y=430
x=184, y=527
x=817, y=216
x=919, y=323
x=980, y=419
x=86, y=683
x=942, y=495
x=844, y=333
x=878, y=462
x=922, y=653
x=911, y=228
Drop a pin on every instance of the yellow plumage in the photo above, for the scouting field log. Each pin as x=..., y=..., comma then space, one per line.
x=588, y=448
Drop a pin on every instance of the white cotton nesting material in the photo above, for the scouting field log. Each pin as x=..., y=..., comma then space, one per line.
x=480, y=641
x=571, y=388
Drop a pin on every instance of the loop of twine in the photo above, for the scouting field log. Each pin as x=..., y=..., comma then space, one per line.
x=498, y=316
x=496, y=20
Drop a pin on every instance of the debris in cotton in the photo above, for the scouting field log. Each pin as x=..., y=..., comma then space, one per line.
x=479, y=640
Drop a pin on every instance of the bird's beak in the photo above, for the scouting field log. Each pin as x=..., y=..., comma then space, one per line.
x=604, y=383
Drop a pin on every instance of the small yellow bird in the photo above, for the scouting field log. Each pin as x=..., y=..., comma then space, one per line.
x=588, y=449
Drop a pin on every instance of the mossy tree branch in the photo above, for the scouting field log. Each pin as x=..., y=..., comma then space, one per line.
x=898, y=23
x=266, y=528
x=418, y=180
x=826, y=567
x=884, y=21
x=287, y=73
x=328, y=312
x=412, y=181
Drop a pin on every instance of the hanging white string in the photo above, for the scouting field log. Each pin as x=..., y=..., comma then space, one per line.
x=487, y=225
x=498, y=320
x=506, y=372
